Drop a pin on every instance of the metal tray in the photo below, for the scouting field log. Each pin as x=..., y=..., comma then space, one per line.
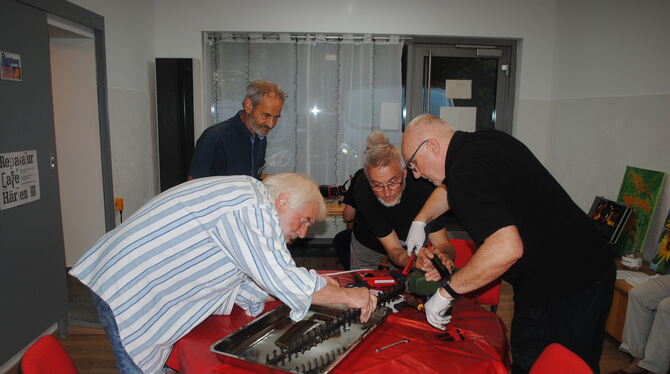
x=315, y=345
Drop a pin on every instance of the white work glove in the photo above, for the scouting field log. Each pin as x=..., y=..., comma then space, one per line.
x=416, y=237
x=438, y=310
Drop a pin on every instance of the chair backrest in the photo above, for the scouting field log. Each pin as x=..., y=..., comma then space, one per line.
x=47, y=356
x=487, y=295
x=556, y=359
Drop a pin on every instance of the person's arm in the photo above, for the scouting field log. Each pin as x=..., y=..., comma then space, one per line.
x=203, y=156
x=358, y=297
x=436, y=205
x=348, y=215
x=497, y=254
x=397, y=254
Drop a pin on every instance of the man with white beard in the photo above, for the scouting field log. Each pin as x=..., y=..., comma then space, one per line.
x=387, y=199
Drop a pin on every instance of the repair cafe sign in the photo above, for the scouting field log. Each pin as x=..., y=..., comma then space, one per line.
x=19, y=178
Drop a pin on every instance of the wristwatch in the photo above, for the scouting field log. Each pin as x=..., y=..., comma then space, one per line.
x=447, y=287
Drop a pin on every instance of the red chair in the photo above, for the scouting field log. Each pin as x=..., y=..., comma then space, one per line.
x=556, y=359
x=47, y=356
x=487, y=295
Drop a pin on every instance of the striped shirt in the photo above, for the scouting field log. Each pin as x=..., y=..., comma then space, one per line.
x=192, y=251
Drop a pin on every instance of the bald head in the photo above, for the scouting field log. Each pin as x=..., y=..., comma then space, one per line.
x=424, y=146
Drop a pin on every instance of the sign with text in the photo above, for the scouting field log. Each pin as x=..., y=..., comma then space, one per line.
x=19, y=179
x=11, y=66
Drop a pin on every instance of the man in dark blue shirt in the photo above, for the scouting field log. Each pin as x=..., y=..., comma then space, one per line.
x=237, y=146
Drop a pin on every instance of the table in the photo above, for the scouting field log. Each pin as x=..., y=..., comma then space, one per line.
x=334, y=206
x=484, y=348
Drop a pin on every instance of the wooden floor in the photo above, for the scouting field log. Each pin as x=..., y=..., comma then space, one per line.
x=92, y=354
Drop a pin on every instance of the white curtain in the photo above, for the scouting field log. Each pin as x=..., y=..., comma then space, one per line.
x=335, y=91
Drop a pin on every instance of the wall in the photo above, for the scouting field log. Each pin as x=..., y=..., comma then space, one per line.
x=611, y=98
x=130, y=48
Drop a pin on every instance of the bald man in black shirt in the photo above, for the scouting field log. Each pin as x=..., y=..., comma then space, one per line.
x=528, y=231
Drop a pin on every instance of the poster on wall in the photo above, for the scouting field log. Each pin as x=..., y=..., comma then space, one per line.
x=661, y=261
x=11, y=66
x=20, y=180
x=640, y=191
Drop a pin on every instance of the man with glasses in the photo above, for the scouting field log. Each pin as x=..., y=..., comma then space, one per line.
x=386, y=200
x=525, y=225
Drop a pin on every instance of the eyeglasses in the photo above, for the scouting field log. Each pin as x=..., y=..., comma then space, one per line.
x=409, y=162
x=389, y=185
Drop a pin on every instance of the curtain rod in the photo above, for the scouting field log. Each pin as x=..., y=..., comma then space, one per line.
x=218, y=35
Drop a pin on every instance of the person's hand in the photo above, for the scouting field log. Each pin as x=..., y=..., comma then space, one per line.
x=415, y=237
x=330, y=280
x=423, y=263
x=438, y=310
x=361, y=298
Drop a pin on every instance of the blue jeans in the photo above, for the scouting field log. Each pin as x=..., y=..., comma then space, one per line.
x=123, y=361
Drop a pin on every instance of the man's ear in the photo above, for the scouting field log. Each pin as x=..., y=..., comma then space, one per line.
x=281, y=202
x=433, y=145
x=248, y=105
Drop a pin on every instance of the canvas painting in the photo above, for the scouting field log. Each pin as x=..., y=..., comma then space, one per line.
x=660, y=261
x=640, y=191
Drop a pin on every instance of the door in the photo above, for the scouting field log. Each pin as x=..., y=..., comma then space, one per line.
x=467, y=85
x=32, y=264
x=75, y=106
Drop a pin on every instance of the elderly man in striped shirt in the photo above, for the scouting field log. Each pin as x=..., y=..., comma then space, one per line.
x=198, y=249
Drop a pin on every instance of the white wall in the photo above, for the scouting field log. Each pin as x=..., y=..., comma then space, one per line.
x=611, y=98
x=130, y=49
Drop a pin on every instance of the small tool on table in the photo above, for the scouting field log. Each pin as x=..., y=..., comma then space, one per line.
x=405, y=340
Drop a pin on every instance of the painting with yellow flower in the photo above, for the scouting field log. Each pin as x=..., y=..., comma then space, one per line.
x=660, y=262
x=640, y=190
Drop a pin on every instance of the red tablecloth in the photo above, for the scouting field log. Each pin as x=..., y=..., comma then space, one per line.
x=484, y=348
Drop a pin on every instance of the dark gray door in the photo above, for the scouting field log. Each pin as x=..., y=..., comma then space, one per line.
x=32, y=260
x=482, y=78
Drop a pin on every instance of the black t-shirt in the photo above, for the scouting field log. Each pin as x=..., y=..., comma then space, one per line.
x=494, y=181
x=349, y=195
x=374, y=220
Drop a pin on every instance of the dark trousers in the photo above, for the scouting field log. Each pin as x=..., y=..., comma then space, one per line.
x=342, y=243
x=576, y=321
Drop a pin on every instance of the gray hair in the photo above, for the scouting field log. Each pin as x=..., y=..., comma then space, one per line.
x=301, y=190
x=258, y=89
x=375, y=138
x=382, y=155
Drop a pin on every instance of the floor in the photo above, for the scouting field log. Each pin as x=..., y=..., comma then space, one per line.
x=92, y=354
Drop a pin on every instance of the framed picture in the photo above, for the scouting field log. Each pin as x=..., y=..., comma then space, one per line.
x=610, y=217
x=661, y=261
x=640, y=190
